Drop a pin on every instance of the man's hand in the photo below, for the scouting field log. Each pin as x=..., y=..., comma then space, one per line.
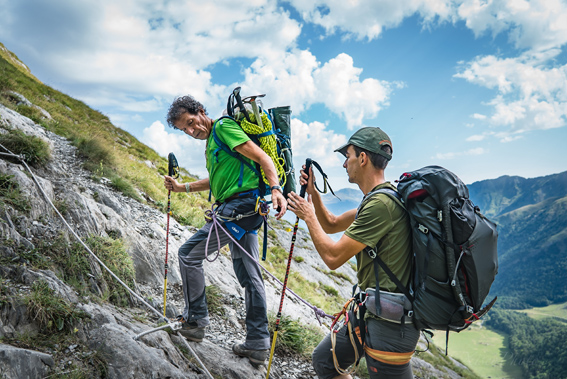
x=173, y=185
x=302, y=208
x=304, y=179
x=278, y=200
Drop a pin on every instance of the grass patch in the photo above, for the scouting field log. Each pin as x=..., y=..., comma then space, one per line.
x=483, y=350
x=34, y=150
x=298, y=259
x=215, y=303
x=334, y=275
x=115, y=257
x=294, y=336
x=50, y=311
x=10, y=193
x=323, y=297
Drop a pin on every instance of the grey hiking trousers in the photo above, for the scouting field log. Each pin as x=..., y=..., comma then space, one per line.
x=380, y=335
x=191, y=255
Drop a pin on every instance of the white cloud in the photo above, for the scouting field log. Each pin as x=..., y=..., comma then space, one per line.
x=366, y=19
x=298, y=79
x=479, y=116
x=476, y=138
x=315, y=141
x=141, y=51
x=453, y=155
x=189, y=152
x=530, y=94
x=536, y=25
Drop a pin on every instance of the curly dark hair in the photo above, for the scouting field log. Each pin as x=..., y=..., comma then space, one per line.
x=183, y=104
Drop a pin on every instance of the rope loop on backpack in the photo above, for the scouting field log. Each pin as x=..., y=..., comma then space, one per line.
x=268, y=143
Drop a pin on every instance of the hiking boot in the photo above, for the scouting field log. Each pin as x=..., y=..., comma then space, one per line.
x=255, y=356
x=191, y=331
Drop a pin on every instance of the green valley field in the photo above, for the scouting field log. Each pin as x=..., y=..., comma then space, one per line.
x=483, y=350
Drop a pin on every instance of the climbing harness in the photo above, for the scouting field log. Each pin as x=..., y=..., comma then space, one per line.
x=278, y=318
x=336, y=326
x=172, y=326
x=173, y=171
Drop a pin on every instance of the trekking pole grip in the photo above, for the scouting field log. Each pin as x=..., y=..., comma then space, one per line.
x=308, y=162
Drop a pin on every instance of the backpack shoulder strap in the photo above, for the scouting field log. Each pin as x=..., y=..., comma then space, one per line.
x=224, y=147
x=393, y=194
x=378, y=262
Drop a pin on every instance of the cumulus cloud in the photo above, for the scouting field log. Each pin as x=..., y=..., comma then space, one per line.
x=316, y=141
x=453, y=155
x=189, y=152
x=298, y=79
x=366, y=19
x=530, y=94
x=143, y=50
x=536, y=25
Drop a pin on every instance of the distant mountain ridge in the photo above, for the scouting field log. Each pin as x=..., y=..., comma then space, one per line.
x=532, y=246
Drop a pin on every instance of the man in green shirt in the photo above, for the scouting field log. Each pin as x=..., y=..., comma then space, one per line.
x=235, y=187
x=381, y=224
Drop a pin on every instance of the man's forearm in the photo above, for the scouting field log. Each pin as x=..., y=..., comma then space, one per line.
x=322, y=242
x=199, y=185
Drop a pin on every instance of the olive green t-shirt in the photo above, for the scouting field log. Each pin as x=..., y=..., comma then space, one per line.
x=383, y=223
x=224, y=170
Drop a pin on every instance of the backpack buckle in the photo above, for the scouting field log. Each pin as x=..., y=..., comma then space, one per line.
x=423, y=229
x=371, y=253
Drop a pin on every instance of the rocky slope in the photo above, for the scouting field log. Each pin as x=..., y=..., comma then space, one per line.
x=100, y=342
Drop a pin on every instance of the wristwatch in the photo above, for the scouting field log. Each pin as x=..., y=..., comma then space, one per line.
x=272, y=188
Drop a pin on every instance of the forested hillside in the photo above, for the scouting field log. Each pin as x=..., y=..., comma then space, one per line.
x=532, y=222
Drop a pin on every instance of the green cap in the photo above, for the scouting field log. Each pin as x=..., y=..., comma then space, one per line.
x=371, y=139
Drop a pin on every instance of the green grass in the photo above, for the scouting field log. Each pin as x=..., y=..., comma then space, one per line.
x=294, y=336
x=35, y=150
x=215, y=302
x=113, y=254
x=557, y=311
x=482, y=350
x=51, y=312
x=10, y=193
x=322, y=296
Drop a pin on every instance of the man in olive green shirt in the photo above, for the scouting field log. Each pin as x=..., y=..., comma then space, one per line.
x=380, y=224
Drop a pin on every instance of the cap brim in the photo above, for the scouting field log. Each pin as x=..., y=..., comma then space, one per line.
x=342, y=149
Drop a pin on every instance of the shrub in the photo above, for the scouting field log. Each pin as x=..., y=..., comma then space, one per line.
x=294, y=336
x=214, y=300
x=10, y=193
x=34, y=149
x=49, y=310
x=98, y=157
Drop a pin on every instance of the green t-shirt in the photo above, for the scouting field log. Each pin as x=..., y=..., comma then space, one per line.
x=382, y=222
x=224, y=170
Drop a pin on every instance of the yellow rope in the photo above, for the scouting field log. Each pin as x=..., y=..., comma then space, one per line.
x=267, y=143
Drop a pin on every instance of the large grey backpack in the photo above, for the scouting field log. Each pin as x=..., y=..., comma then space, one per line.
x=454, y=246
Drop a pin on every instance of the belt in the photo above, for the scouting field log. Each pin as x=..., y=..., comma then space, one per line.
x=243, y=194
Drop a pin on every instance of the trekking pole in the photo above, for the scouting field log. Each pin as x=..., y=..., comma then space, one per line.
x=295, y=227
x=173, y=171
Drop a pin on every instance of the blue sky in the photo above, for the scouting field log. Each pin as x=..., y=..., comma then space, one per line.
x=477, y=86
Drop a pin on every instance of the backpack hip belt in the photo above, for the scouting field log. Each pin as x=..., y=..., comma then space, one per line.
x=395, y=307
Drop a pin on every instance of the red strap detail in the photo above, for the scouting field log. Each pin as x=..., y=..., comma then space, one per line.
x=418, y=194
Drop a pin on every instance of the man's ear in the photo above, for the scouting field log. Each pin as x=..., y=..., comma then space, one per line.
x=363, y=157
